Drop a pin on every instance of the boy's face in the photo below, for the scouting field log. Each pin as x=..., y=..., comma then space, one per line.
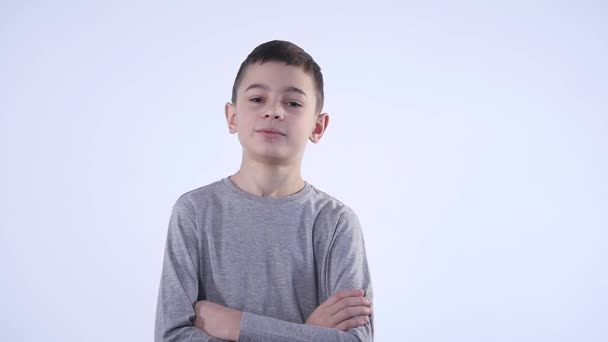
x=280, y=97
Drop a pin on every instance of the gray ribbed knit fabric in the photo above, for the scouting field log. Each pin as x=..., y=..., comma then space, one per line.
x=275, y=259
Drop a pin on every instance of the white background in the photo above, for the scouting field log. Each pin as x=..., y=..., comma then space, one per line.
x=471, y=138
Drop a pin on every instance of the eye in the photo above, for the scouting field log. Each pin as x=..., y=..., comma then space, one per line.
x=256, y=99
x=293, y=104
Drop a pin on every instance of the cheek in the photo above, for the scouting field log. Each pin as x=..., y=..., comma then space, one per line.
x=305, y=131
x=244, y=120
x=310, y=127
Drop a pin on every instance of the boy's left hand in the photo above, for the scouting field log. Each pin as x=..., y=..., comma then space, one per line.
x=217, y=320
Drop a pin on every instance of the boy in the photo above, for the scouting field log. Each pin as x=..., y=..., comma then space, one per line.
x=262, y=255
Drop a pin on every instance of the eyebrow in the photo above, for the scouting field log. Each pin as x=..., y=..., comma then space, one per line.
x=290, y=89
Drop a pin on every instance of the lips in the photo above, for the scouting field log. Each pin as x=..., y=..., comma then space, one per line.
x=271, y=131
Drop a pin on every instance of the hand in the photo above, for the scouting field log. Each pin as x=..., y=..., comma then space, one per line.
x=217, y=320
x=341, y=311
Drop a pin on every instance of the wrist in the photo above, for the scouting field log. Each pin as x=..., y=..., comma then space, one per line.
x=236, y=326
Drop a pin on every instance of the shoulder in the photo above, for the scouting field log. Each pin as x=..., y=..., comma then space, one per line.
x=195, y=199
x=330, y=205
x=337, y=230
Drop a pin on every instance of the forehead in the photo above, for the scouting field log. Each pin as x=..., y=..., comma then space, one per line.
x=276, y=76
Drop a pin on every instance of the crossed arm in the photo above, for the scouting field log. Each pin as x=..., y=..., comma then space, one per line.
x=180, y=316
x=344, y=310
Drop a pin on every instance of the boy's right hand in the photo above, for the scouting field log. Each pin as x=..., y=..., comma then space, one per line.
x=341, y=311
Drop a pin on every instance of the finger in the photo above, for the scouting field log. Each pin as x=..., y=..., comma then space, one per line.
x=348, y=302
x=351, y=312
x=352, y=323
x=336, y=297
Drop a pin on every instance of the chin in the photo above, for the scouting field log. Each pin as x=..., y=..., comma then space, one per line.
x=276, y=160
x=273, y=157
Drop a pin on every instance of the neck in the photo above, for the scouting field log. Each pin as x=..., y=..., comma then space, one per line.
x=266, y=180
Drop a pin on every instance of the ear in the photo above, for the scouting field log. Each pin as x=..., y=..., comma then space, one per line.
x=231, y=120
x=320, y=127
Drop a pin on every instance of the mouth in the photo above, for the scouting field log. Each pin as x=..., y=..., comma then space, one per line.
x=270, y=132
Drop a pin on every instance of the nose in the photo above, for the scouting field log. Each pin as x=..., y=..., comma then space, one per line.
x=275, y=112
x=276, y=116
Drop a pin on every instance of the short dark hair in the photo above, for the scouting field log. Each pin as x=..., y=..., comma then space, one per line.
x=283, y=51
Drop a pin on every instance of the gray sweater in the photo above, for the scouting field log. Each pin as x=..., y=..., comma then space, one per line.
x=274, y=259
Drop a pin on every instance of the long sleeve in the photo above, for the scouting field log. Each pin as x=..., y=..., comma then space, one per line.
x=343, y=267
x=257, y=328
x=179, y=285
x=274, y=259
